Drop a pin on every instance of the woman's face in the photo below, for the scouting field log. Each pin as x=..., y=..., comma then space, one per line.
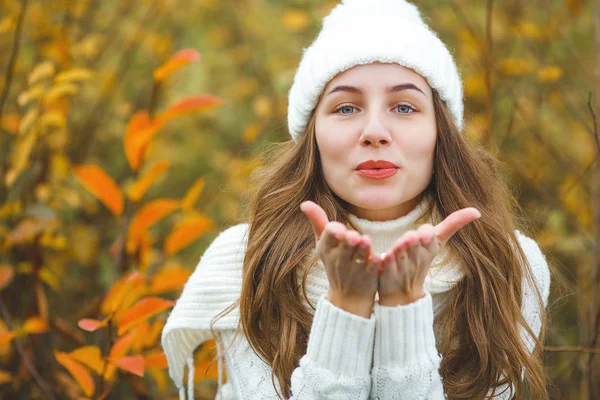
x=379, y=112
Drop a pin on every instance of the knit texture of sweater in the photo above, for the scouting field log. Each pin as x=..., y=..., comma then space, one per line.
x=391, y=355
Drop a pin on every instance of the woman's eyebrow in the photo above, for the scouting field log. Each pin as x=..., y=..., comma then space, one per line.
x=393, y=89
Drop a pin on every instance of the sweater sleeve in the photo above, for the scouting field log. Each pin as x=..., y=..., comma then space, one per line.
x=406, y=361
x=336, y=365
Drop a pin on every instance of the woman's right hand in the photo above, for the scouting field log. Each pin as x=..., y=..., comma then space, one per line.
x=352, y=269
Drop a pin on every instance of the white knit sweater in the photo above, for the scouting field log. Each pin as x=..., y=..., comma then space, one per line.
x=392, y=355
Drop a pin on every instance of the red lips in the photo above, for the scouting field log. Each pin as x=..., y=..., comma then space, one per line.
x=371, y=164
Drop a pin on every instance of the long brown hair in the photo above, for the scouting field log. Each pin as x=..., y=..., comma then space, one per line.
x=483, y=315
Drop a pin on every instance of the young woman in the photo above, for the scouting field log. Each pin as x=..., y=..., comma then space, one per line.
x=381, y=259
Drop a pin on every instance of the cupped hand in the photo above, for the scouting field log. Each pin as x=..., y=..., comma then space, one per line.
x=352, y=268
x=406, y=265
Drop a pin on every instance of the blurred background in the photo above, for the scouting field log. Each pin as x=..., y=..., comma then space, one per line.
x=128, y=130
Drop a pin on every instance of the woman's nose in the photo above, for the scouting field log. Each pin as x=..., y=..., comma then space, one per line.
x=376, y=132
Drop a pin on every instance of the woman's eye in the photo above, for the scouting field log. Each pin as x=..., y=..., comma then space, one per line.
x=348, y=110
x=404, y=109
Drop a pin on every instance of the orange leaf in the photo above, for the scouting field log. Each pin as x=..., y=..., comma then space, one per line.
x=192, y=195
x=6, y=337
x=168, y=279
x=177, y=60
x=101, y=185
x=138, y=136
x=153, y=335
x=121, y=347
x=90, y=356
x=156, y=359
x=90, y=325
x=142, y=310
x=150, y=214
x=190, y=105
x=133, y=364
x=119, y=291
x=81, y=375
x=7, y=272
x=206, y=370
x=34, y=325
x=184, y=233
x=141, y=186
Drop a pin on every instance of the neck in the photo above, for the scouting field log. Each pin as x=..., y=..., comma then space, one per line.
x=386, y=214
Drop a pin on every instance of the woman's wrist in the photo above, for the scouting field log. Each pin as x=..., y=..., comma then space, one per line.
x=361, y=306
x=400, y=299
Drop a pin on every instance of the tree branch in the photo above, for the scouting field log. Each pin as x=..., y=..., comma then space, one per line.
x=34, y=373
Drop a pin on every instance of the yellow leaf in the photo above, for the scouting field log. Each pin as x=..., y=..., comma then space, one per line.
x=529, y=30
x=263, y=106
x=153, y=335
x=550, y=73
x=91, y=356
x=34, y=325
x=101, y=185
x=184, y=233
x=41, y=71
x=475, y=86
x=33, y=93
x=5, y=377
x=141, y=186
x=251, y=132
x=118, y=291
x=81, y=375
x=178, y=60
x=20, y=156
x=49, y=277
x=168, y=279
x=147, y=216
x=295, y=20
x=28, y=120
x=53, y=118
x=74, y=74
x=60, y=90
x=192, y=195
x=516, y=66
x=160, y=379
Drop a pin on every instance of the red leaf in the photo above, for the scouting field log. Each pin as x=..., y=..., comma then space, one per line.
x=90, y=325
x=133, y=364
x=189, y=105
x=177, y=60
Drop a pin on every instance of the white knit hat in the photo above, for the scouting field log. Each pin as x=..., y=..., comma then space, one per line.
x=360, y=32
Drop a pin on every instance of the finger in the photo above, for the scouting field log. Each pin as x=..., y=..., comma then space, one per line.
x=348, y=244
x=333, y=233
x=455, y=221
x=361, y=252
x=426, y=233
x=316, y=215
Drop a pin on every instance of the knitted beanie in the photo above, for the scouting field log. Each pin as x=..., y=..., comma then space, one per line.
x=360, y=32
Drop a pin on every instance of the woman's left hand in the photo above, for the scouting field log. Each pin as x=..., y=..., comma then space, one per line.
x=406, y=265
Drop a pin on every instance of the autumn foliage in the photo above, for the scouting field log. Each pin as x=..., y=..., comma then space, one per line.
x=128, y=132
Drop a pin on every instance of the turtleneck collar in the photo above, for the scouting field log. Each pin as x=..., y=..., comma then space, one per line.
x=443, y=274
x=385, y=233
